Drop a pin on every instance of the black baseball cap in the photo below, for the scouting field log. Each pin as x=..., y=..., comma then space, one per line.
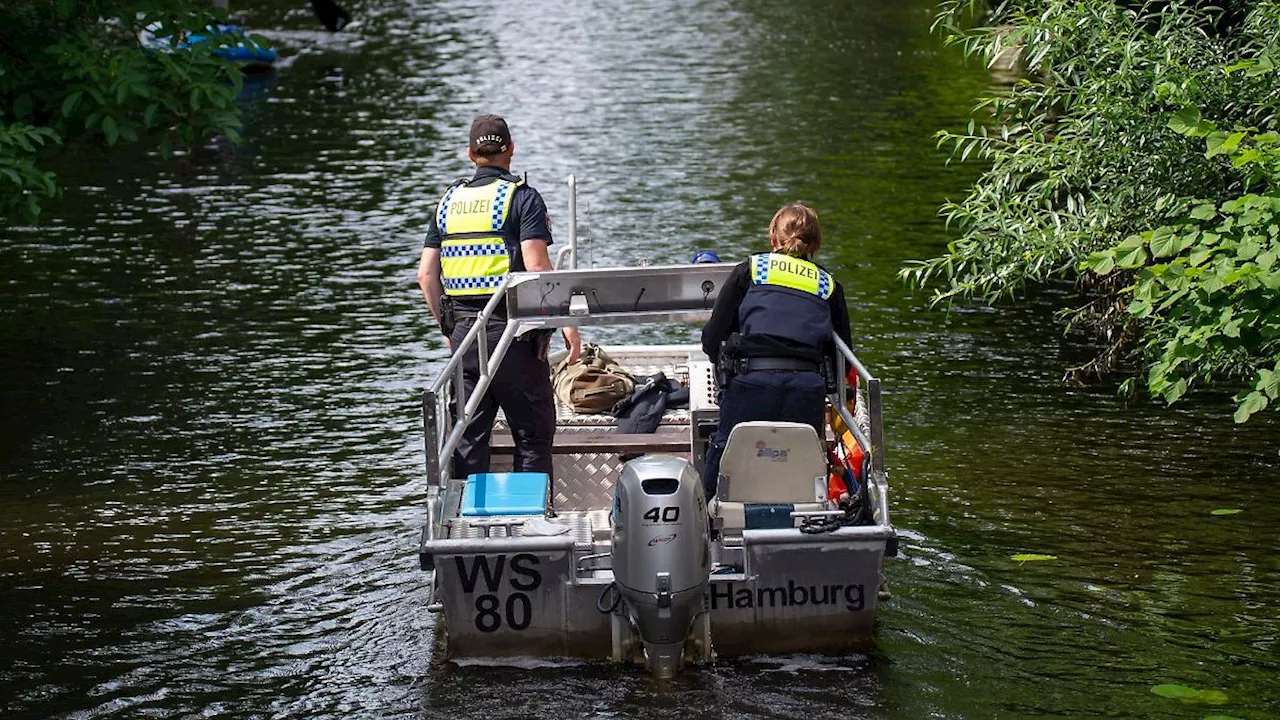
x=490, y=135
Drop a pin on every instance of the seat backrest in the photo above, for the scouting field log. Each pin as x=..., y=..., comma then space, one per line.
x=773, y=462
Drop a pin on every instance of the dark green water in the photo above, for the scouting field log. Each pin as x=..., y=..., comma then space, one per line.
x=211, y=461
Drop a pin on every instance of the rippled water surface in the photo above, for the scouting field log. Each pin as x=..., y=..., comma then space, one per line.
x=211, y=459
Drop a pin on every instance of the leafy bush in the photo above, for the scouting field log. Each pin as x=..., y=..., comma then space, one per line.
x=22, y=182
x=1096, y=153
x=74, y=71
x=1207, y=288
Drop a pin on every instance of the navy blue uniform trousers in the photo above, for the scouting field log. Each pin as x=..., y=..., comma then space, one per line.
x=787, y=395
x=522, y=388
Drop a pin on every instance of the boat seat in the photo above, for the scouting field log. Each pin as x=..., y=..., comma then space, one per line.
x=516, y=493
x=767, y=471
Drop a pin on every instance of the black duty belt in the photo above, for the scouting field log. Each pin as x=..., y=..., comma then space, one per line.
x=779, y=363
x=465, y=314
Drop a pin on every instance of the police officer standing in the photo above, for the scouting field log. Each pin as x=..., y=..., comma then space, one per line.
x=771, y=329
x=485, y=227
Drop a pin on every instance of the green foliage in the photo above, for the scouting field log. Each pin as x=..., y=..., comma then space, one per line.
x=1207, y=288
x=22, y=183
x=1106, y=155
x=74, y=72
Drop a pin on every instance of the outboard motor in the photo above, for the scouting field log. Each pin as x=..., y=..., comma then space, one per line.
x=661, y=556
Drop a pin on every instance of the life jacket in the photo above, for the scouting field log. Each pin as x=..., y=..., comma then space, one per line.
x=787, y=299
x=474, y=259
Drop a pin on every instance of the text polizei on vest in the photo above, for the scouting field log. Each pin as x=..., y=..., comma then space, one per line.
x=795, y=268
x=469, y=207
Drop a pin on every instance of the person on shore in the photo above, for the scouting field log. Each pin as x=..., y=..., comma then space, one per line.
x=485, y=227
x=770, y=331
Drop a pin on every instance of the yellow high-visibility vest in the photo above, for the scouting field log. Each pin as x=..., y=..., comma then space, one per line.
x=794, y=273
x=473, y=252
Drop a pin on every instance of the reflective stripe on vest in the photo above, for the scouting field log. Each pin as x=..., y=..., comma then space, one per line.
x=794, y=273
x=473, y=252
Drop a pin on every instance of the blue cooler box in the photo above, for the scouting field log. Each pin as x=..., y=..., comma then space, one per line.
x=523, y=493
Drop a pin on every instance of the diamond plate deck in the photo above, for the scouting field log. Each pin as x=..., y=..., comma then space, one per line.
x=584, y=481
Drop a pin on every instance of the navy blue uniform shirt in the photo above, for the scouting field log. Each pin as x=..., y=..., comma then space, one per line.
x=526, y=220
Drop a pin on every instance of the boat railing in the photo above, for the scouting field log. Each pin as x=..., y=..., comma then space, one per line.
x=567, y=257
x=604, y=296
x=449, y=385
x=874, y=445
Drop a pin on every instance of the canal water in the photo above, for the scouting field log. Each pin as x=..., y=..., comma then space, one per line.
x=211, y=466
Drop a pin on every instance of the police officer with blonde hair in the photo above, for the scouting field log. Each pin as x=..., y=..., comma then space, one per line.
x=771, y=332
x=485, y=227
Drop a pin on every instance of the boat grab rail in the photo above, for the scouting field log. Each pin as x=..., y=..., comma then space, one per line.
x=875, y=420
x=440, y=458
x=567, y=257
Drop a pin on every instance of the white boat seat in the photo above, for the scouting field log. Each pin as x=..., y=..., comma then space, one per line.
x=768, y=470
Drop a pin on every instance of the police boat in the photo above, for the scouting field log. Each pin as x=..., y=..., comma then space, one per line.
x=624, y=558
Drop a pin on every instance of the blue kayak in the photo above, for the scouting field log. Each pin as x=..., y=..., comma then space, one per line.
x=241, y=52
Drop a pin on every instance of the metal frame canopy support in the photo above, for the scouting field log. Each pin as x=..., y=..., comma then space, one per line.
x=615, y=296
x=560, y=298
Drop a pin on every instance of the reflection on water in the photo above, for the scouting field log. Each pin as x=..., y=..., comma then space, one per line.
x=211, y=461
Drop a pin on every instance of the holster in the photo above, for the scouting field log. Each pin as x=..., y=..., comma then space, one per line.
x=829, y=372
x=729, y=363
x=542, y=343
x=448, y=316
